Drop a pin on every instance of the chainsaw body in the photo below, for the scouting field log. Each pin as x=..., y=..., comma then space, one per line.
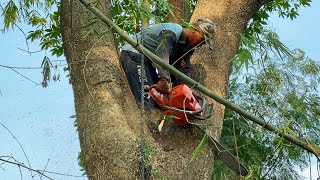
x=181, y=104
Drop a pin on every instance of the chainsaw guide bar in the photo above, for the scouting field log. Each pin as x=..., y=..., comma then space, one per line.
x=225, y=155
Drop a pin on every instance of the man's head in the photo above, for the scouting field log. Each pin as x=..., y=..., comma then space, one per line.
x=207, y=28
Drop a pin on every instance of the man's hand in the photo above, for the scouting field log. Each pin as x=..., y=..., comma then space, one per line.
x=163, y=86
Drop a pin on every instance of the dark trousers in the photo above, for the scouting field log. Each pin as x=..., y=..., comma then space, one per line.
x=131, y=63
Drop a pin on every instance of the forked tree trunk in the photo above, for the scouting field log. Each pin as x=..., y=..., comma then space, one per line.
x=107, y=116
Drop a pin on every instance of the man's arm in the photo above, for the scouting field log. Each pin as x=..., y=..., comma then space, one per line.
x=167, y=39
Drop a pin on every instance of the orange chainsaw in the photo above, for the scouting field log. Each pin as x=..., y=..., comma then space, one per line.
x=182, y=105
x=185, y=108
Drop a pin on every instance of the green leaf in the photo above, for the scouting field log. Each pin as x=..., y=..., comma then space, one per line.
x=73, y=116
x=199, y=148
x=33, y=35
x=10, y=14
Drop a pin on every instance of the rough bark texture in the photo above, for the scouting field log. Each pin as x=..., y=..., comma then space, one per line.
x=181, y=10
x=212, y=68
x=107, y=116
x=107, y=135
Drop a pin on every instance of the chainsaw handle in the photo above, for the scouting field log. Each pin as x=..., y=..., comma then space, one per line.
x=186, y=111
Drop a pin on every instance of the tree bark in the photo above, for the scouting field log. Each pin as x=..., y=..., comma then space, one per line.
x=105, y=110
x=108, y=119
x=181, y=10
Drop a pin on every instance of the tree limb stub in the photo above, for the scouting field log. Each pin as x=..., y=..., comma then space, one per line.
x=195, y=84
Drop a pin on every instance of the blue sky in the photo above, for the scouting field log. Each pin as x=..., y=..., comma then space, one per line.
x=38, y=117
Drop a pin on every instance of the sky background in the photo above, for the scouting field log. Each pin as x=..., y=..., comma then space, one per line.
x=39, y=117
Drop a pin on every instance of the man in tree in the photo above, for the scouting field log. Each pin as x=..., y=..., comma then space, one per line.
x=171, y=42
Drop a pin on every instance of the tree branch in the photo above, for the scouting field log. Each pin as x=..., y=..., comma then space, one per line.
x=40, y=172
x=26, y=167
x=24, y=152
x=13, y=69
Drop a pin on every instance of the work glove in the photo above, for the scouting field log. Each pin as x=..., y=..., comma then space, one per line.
x=163, y=86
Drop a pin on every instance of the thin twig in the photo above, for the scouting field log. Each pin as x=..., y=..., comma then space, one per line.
x=19, y=67
x=24, y=166
x=235, y=141
x=19, y=164
x=44, y=169
x=20, y=74
x=28, y=51
x=20, y=173
x=25, y=36
x=25, y=154
x=273, y=165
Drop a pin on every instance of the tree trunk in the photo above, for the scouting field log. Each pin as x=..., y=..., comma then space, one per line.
x=105, y=110
x=107, y=116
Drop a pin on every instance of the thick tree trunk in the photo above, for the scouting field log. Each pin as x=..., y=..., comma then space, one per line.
x=107, y=116
x=106, y=112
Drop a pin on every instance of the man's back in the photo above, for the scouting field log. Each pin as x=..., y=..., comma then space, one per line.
x=151, y=35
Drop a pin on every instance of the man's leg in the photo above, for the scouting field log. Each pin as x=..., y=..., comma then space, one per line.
x=131, y=63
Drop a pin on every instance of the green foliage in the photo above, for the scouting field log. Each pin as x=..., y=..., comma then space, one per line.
x=10, y=14
x=258, y=39
x=313, y=146
x=286, y=9
x=73, y=116
x=128, y=14
x=81, y=163
x=281, y=87
x=267, y=155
